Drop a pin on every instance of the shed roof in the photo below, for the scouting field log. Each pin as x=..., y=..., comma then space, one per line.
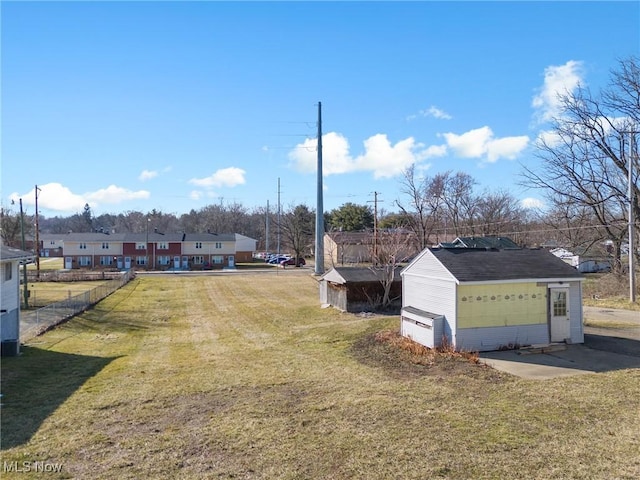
x=357, y=274
x=472, y=265
x=10, y=253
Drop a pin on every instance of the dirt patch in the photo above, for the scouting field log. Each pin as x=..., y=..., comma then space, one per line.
x=404, y=358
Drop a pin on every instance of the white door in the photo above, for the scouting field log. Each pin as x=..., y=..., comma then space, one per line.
x=68, y=263
x=127, y=262
x=185, y=262
x=559, y=314
x=232, y=261
x=176, y=262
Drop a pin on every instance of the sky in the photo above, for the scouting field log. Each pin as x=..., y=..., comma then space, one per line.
x=174, y=106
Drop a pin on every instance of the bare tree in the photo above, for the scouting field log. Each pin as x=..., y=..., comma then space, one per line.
x=392, y=247
x=585, y=163
x=297, y=227
x=424, y=199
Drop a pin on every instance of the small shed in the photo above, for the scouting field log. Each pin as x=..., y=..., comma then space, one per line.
x=358, y=289
x=488, y=299
x=10, y=260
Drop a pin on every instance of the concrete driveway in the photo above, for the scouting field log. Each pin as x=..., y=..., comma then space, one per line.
x=604, y=350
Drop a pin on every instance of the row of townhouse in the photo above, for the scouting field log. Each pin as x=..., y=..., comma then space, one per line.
x=148, y=251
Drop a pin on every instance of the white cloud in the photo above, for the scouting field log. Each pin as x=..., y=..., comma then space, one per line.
x=114, y=194
x=147, y=175
x=380, y=156
x=558, y=80
x=195, y=195
x=549, y=137
x=531, y=203
x=480, y=143
x=507, y=147
x=57, y=197
x=226, y=177
x=386, y=160
x=432, y=111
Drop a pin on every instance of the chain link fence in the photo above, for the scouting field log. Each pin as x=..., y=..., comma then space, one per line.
x=36, y=322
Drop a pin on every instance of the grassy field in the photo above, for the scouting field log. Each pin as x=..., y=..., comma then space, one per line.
x=244, y=376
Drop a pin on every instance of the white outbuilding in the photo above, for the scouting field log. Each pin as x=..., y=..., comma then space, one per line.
x=489, y=299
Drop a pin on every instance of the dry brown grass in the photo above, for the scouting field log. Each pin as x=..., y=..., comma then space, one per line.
x=245, y=377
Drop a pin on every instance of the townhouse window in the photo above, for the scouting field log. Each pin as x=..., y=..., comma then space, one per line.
x=163, y=246
x=198, y=260
x=218, y=259
x=164, y=260
x=198, y=244
x=82, y=246
x=218, y=245
x=84, y=261
x=141, y=260
x=105, y=245
x=141, y=246
x=106, y=260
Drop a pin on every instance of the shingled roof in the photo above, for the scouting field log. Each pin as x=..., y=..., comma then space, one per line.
x=479, y=264
x=10, y=253
x=357, y=274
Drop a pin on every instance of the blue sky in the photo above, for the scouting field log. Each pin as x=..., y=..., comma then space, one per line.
x=177, y=105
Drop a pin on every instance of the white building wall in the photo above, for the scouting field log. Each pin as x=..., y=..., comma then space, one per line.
x=10, y=297
x=245, y=244
x=208, y=248
x=486, y=339
x=434, y=295
x=576, y=323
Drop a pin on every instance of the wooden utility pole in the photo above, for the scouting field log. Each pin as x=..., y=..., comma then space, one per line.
x=278, y=241
x=319, y=259
x=375, y=225
x=266, y=228
x=24, y=267
x=37, y=245
x=632, y=233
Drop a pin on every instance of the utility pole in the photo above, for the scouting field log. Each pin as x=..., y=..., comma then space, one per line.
x=632, y=233
x=266, y=234
x=375, y=226
x=278, y=251
x=24, y=267
x=37, y=237
x=319, y=260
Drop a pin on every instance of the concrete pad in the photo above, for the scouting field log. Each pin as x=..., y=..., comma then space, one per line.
x=573, y=360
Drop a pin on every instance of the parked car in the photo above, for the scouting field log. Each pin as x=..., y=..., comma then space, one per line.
x=277, y=259
x=298, y=262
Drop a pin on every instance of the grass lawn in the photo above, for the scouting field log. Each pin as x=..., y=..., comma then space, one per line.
x=244, y=376
x=42, y=294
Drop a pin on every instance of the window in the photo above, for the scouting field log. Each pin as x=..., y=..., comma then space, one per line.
x=106, y=260
x=218, y=259
x=8, y=272
x=84, y=261
x=198, y=260
x=163, y=246
x=141, y=246
x=198, y=244
x=164, y=260
x=218, y=245
x=105, y=245
x=560, y=304
x=141, y=260
x=82, y=246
